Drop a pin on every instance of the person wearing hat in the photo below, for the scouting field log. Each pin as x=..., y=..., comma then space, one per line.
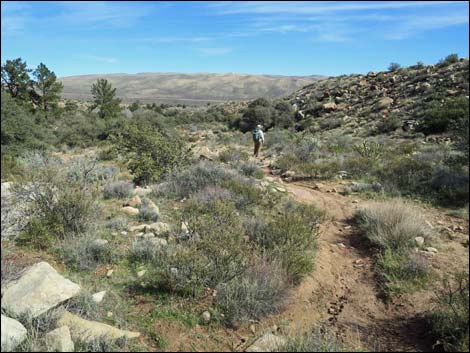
x=258, y=139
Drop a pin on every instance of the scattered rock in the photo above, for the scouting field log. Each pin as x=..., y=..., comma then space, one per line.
x=206, y=317
x=139, y=191
x=90, y=331
x=150, y=206
x=288, y=174
x=12, y=331
x=431, y=249
x=109, y=273
x=59, y=340
x=329, y=107
x=100, y=242
x=253, y=329
x=355, y=201
x=130, y=211
x=98, y=297
x=136, y=201
x=38, y=290
x=124, y=233
x=280, y=189
x=419, y=241
x=426, y=253
x=267, y=343
x=384, y=103
x=174, y=271
x=141, y=273
x=184, y=228
x=157, y=228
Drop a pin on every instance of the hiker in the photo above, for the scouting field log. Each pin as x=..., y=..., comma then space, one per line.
x=258, y=139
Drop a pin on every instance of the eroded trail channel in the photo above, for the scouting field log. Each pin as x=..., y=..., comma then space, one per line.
x=342, y=292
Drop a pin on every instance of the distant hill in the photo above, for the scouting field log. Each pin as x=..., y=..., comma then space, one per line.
x=196, y=88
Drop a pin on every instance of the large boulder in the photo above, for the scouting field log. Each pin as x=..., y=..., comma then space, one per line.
x=267, y=343
x=13, y=333
x=156, y=228
x=130, y=211
x=60, y=340
x=38, y=290
x=90, y=331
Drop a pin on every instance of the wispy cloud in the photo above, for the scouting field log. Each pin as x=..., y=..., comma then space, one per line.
x=102, y=59
x=411, y=26
x=339, y=21
x=101, y=13
x=315, y=7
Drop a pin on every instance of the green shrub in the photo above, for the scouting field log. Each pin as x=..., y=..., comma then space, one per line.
x=148, y=211
x=37, y=233
x=449, y=319
x=369, y=149
x=448, y=60
x=195, y=178
x=118, y=189
x=452, y=186
x=401, y=273
x=393, y=227
x=83, y=253
x=390, y=124
x=258, y=292
x=394, y=67
x=200, y=262
x=441, y=117
x=291, y=238
x=231, y=155
x=58, y=197
x=150, y=153
x=251, y=169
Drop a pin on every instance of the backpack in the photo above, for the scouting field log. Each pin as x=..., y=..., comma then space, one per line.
x=256, y=135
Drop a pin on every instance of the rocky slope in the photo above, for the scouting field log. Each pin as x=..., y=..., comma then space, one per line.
x=188, y=88
x=362, y=102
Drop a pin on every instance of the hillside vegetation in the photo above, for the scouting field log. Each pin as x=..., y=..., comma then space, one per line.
x=150, y=227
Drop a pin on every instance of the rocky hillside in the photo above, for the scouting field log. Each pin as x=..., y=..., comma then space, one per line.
x=188, y=88
x=369, y=102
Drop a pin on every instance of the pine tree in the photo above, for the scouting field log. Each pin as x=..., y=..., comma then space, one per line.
x=15, y=78
x=104, y=98
x=48, y=87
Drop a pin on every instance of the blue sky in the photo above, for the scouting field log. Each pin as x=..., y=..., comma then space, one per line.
x=283, y=38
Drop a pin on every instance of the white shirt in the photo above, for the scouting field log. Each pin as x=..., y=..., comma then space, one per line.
x=261, y=134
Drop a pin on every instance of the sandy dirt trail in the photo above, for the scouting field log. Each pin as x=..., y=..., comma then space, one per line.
x=342, y=291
